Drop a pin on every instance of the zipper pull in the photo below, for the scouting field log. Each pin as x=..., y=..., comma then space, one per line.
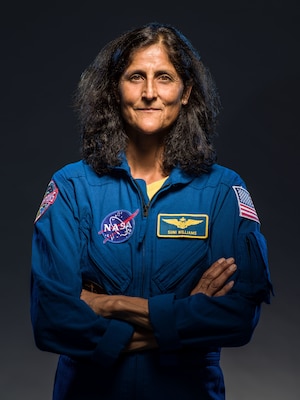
x=145, y=209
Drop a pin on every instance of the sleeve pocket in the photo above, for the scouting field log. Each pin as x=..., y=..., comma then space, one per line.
x=253, y=260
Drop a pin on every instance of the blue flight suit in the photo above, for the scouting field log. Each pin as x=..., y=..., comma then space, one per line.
x=104, y=229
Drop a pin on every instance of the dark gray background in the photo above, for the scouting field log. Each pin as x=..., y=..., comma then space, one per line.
x=252, y=49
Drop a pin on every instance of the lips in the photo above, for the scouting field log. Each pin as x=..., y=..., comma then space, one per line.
x=148, y=109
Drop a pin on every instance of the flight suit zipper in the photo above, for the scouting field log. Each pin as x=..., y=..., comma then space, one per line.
x=141, y=243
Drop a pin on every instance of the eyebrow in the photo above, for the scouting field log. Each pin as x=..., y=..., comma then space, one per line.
x=156, y=73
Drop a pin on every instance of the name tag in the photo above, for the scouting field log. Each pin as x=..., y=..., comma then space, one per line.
x=192, y=226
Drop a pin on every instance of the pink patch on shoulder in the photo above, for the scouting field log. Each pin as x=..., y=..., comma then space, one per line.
x=49, y=198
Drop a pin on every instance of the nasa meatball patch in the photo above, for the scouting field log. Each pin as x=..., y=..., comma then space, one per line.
x=49, y=198
x=118, y=226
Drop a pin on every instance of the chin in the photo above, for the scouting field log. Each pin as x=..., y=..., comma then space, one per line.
x=153, y=130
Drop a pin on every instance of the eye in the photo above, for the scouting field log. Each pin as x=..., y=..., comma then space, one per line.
x=164, y=77
x=135, y=77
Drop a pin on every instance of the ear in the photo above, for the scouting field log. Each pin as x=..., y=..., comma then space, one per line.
x=186, y=95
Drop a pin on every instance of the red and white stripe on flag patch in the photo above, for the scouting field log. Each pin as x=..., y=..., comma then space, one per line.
x=246, y=206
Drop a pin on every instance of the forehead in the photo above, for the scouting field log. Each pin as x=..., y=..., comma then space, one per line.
x=155, y=54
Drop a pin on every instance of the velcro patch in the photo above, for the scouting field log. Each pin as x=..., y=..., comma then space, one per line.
x=193, y=226
x=118, y=226
x=49, y=198
x=245, y=203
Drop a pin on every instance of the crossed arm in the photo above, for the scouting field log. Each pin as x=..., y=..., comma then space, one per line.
x=136, y=311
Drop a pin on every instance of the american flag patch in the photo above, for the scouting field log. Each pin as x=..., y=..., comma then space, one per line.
x=246, y=206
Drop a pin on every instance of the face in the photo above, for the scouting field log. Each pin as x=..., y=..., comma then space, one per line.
x=151, y=92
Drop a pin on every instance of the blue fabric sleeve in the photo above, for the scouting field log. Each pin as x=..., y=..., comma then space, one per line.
x=62, y=322
x=162, y=314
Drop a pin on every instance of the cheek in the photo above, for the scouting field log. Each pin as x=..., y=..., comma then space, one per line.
x=173, y=97
x=127, y=95
x=126, y=109
x=125, y=112
x=173, y=112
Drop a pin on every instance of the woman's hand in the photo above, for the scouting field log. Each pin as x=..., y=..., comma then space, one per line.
x=142, y=339
x=213, y=281
x=131, y=309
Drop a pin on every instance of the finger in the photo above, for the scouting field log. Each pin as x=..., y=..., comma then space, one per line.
x=219, y=280
x=215, y=277
x=225, y=289
x=218, y=267
x=216, y=270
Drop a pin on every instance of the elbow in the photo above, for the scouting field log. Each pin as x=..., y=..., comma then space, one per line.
x=40, y=329
x=243, y=337
x=40, y=344
x=40, y=337
x=246, y=328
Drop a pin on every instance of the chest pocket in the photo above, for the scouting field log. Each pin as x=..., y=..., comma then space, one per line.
x=111, y=268
x=187, y=261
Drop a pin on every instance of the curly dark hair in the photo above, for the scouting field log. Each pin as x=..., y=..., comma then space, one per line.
x=188, y=145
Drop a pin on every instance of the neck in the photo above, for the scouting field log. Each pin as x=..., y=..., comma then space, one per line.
x=145, y=159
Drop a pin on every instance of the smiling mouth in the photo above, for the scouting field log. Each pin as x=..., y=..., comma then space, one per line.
x=148, y=109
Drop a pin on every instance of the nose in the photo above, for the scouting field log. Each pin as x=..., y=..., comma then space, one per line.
x=149, y=89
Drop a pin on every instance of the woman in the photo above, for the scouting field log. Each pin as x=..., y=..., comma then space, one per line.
x=147, y=255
